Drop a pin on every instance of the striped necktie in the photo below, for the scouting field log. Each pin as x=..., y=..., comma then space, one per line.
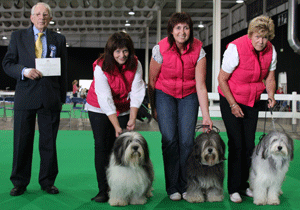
x=39, y=46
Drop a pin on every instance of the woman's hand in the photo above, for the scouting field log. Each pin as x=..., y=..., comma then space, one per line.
x=271, y=102
x=118, y=131
x=131, y=124
x=237, y=111
x=207, y=121
x=154, y=114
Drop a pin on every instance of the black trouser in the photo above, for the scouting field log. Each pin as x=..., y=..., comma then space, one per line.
x=24, y=129
x=105, y=136
x=241, y=142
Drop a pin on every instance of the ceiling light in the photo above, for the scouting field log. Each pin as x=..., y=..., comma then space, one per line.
x=131, y=12
x=239, y=1
x=4, y=37
x=201, y=25
x=127, y=23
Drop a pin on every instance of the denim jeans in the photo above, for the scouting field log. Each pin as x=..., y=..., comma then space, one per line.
x=177, y=120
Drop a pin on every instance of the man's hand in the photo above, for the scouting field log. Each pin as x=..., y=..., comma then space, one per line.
x=33, y=74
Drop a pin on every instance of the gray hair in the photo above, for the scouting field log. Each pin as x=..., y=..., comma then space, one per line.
x=45, y=5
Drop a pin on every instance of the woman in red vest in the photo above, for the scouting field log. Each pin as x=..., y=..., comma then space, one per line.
x=247, y=61
x=75, y=88
x=113, y=100
x=176, y=86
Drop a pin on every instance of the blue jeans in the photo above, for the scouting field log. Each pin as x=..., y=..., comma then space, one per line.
x=177, y=120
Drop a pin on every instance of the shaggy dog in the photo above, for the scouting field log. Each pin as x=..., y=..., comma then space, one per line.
x=205, y=169
x=270, y=162
x=130, y=172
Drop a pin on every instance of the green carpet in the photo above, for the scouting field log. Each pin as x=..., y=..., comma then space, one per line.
x=66, y=109
x=77, y=180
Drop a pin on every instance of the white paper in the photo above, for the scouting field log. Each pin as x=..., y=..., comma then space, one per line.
x=48, y=66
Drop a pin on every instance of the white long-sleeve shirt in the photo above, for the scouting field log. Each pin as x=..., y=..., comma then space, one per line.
x=104, y=95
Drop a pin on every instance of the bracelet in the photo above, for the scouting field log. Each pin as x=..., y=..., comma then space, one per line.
x=233, y=105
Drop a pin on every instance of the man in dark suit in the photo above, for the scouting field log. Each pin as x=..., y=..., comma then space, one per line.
x=36, y=94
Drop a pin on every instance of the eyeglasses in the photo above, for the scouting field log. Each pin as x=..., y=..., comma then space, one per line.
x=44, y=15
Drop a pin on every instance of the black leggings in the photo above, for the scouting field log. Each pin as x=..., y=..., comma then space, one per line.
x=104, y=135
x=241, y=142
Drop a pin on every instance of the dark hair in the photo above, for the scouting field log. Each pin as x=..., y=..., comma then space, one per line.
x=179, y=17
x=116, y=41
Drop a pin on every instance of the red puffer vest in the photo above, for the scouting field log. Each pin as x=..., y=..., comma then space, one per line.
x=246, y=81
x=120, y=83
x=177, y=74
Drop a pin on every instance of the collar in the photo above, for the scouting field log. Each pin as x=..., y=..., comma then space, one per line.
x=36, y=31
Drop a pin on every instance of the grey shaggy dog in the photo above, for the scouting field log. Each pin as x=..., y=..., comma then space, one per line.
x=270, y=163
x=130, y=173
x=205, y=169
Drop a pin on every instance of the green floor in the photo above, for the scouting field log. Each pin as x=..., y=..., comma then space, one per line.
x=77, y=181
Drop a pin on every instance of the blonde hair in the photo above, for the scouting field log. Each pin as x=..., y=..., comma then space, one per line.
x=74, y=82
x=263, y=25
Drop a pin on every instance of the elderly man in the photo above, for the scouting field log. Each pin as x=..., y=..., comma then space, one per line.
x=36, y=94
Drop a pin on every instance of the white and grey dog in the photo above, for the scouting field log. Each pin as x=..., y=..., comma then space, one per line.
x=130, y=173
x=270, y=163
x=205, y=169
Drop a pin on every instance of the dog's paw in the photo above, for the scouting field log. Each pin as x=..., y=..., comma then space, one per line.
x=260, y=202
x=273, y=201
x=280, y=192
x=194, y=198
x=117, y=202
x=138, y=201
x=149, y=193
x=215, y=198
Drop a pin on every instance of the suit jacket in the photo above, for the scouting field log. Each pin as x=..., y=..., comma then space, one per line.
x=48, y=91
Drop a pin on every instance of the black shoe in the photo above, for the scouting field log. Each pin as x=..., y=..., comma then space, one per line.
x=100, y=198
x=51, y=189
x=16, y=191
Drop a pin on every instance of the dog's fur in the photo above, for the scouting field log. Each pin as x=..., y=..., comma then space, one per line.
x=270, y=162
x=130, y=173
x=205, y=169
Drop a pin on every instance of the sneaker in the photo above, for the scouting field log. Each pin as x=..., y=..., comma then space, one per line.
x=175, y=196
x=235, y=197
x=249, y=193
x=184, y=195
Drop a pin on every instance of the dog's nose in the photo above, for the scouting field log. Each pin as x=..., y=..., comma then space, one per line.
x=279, y=148
x=135, y=148
x=210, y=150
